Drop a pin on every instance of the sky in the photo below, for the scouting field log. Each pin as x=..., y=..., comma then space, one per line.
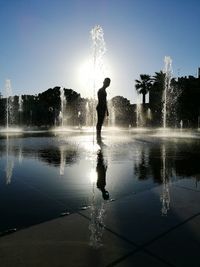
x=45, y=43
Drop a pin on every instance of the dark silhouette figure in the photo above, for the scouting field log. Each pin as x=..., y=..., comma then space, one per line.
x=102, y=109
x=101, y=175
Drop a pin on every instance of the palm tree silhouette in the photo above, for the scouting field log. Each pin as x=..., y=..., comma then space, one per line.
x=143, y=85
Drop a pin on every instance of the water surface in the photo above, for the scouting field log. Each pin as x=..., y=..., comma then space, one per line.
x=43, y=175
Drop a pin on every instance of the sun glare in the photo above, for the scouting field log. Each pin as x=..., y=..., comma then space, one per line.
x=90, y=77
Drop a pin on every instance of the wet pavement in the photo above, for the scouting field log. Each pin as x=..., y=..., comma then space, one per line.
x=131, y=200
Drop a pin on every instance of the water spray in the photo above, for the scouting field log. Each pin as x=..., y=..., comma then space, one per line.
x=168, y=76
x=8, y=92
x=98, y=51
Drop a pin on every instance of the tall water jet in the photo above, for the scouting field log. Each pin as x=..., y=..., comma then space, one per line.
x=63, y=103
x=20, y=109
x=87, y=114
x=20, y=102
x=98, y=51
x=139, y=114
x=8, y=93
x=181, y=124
x=168, y=76
x=149, y=114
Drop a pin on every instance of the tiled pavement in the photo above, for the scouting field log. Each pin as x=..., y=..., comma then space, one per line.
x=135, y=234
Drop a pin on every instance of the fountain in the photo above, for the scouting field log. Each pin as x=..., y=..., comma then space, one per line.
x=139, y=115
x=149, y=114
x=87, y=114
x=98, y=51
x=9, y=111
x=20, y=110
x=20, y=102
x=8, y=93
x=181, y=124
x=168, y=76
x=63, y=103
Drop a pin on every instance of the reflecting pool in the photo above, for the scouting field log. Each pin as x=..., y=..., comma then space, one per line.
x=52, y=174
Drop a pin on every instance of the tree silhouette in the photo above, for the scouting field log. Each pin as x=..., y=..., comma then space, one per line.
x=143, y=85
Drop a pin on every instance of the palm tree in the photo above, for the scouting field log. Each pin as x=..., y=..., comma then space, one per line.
x=159, y=81
x=143, y=85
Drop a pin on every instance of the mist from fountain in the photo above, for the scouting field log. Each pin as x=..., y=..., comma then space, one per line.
x=112, y=115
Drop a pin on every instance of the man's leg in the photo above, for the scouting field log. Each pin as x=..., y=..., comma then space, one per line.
x=100, y=119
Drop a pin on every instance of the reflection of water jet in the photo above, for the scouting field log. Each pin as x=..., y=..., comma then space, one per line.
x=165, y=196
x=62, y=161
x=9, y=162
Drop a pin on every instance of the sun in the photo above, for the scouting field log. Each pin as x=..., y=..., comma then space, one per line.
x=85, y=74
x=91, y=76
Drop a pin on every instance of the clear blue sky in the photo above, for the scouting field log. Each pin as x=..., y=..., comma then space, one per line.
x=43, y=42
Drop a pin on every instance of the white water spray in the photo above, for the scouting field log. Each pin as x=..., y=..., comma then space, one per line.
x=62, y=106
x=98, y=51
x=168, y=76
x=20, y=102
x=8, y=93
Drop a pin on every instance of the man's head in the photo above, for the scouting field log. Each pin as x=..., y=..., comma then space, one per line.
x=106, y=82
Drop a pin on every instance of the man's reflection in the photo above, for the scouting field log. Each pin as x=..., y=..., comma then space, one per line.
x=98, y=208
x=101, y=175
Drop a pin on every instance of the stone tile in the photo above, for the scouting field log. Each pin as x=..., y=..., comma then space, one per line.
x=139, y=219
x=61, y=242
x=141, y=259
x=180, y=246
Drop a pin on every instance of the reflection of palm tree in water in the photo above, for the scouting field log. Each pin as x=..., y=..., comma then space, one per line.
x=156, y=163
x=98, y=209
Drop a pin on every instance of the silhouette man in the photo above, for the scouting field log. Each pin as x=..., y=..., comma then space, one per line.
x=101, y=175
x=101, y=108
